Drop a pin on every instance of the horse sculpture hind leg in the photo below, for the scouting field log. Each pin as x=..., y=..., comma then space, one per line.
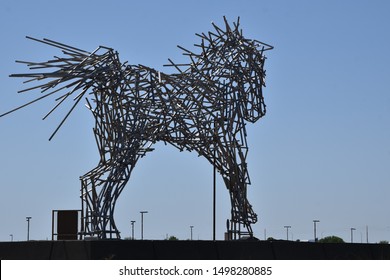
x=101, y=187
x=121, y=133
x=97, y=189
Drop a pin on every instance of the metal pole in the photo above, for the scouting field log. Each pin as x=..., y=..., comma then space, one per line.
x=12, y=237
x=315, y=229
x=142, y=223
x=52, y=224
x=82, y=216
x=352, y=229
x=214, y=182
x=28, y=227
x=214, y=199
x=132, y=229
x=191, y=231
x=287, y=227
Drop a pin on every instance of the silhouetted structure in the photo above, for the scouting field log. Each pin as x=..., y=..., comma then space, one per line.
x=204, y=107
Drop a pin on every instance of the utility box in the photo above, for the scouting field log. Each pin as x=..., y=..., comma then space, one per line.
x=65, y=224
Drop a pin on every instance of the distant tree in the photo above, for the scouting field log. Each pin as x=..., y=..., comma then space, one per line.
x=172, y=238
x=383, y=242
x=331, y=239
x=270, y=239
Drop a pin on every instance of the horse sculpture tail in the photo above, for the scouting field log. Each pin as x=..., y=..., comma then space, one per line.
x=74, y=74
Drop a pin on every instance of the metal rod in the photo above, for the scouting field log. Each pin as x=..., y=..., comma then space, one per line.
x=352, y=229
x=287, y=227
x=28, y=228
x=142, y=223
x=132, y=230
x=315, y=229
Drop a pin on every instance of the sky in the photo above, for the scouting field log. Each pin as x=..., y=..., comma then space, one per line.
x=322, y=152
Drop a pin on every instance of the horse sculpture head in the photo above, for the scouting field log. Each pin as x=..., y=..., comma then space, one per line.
x=232, y=67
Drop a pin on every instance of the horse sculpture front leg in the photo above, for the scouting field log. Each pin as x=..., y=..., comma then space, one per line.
x=232, y=165
x=242, y=214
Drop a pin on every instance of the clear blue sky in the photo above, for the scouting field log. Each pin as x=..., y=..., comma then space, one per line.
x=321, y=152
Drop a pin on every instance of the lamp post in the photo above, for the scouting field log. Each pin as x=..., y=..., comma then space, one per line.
x=352, y=229
x=132, y=229
x=214, y=180
x=191, y=231
x=315, y=229
x=214, y=196
x=142, y=223
x=28, y=227
x=287, y=227
x=12, y=237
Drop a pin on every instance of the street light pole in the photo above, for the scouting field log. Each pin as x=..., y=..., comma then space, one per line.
x=214, y=180
x=352, y=229
x=142, y=223
x=287, y=227
x=12, y=237
x=132, y=229
x=28, y=227
x=315, y=229
x=191, y=231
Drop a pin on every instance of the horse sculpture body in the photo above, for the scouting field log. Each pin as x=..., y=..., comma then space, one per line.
x=204, y=108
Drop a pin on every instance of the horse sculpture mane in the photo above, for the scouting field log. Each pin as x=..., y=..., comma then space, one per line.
x=203, y=108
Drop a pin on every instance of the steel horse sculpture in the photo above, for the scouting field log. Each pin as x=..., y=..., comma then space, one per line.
x=203, y=107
